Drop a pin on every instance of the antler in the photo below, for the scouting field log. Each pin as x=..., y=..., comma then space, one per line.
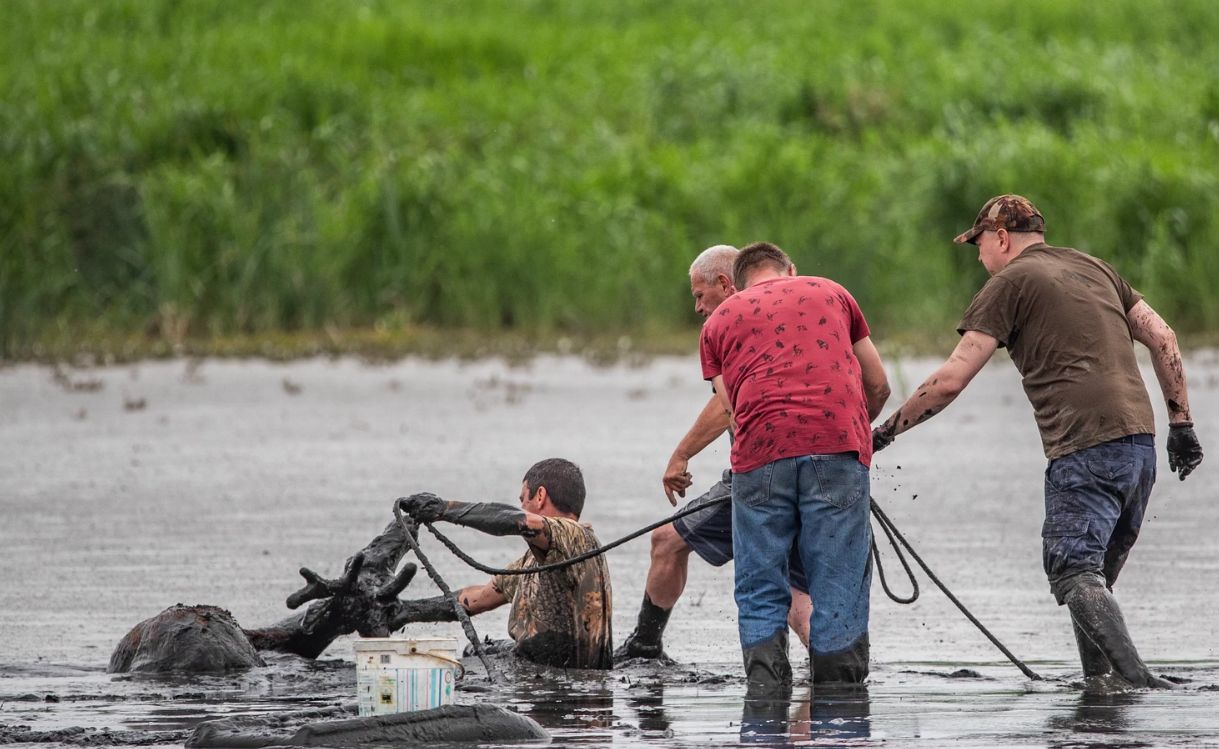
x=320, y=587
x=390, y=590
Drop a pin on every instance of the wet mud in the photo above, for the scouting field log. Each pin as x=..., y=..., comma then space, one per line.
x=226, y=482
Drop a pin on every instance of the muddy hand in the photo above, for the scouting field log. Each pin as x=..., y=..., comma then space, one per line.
x=1184, y=451
x=423, y=508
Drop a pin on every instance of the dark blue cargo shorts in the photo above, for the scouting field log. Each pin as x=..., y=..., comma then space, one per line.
x=1095, y=499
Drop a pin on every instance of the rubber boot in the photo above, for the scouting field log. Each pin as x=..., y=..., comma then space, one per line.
x=848, y=666
x=645, y=640
x=768, y=673
x=1095, y=611
x=1091, y=658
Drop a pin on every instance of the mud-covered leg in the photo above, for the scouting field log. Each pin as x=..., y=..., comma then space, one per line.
x=1096, y=613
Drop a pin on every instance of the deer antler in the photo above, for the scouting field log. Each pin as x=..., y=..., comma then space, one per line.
x=320, y=587
x=390, y=590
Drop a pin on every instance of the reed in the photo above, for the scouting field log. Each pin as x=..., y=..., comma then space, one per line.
x=199, y=169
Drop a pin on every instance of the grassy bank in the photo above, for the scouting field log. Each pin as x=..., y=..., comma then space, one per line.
x=174, y=171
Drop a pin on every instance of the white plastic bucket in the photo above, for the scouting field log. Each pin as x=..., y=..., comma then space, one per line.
x=398, y=675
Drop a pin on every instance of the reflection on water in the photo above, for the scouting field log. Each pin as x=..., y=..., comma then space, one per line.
x=648, y=703
x=1099, y=718
x=825, y=716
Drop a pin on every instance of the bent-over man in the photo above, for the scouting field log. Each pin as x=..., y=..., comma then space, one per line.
x=560, y=617
x=792, y=360
x=1068, y=320
x=707, y=532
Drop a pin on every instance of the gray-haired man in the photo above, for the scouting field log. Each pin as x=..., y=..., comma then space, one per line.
x=707, y=532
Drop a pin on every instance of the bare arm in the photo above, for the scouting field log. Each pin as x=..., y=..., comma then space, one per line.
x=943, y=386
x=721, y=392
x=1149, y=329
x=712, y=421
x=476, y=599
x=875, y=384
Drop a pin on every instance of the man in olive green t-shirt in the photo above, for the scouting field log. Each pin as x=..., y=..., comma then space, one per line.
x=1068, y=320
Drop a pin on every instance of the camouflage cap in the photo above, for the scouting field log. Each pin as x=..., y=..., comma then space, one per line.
x=1011, y=212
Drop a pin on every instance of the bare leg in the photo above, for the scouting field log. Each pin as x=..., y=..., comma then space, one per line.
x=668, y=570
x=800, y=615
x=666, y=581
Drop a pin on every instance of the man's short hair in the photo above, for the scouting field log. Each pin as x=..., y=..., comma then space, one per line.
x=563, y=481
x=758, y=255
x=713, y=262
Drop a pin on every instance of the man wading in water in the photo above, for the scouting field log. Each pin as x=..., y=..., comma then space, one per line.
x=1068, y=321
x=791, y=359
x=707, y=533
x=559, y=618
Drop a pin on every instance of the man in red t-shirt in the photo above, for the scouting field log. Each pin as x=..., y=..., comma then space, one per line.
x=792, y=359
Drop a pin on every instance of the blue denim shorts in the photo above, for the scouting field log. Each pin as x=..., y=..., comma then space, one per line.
x=1095, y=500
x=709, y=532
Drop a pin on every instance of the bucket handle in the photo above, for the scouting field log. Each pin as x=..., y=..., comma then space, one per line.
x=446, y=659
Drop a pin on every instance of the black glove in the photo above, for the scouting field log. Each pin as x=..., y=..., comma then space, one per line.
x=1184, y=452
x=436, y=609
x=423, y=508
x=882, y=437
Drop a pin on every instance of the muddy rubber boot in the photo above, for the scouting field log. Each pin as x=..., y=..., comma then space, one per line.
x=848, y=666
x=1095, y=611
x=1091, y=658
x=768, y=673
x=645, y=640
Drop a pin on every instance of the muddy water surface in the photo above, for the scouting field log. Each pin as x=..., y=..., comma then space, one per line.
x=127, y=489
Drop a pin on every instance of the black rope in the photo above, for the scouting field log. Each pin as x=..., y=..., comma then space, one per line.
x=880, y=568
x=896, y=539
x=887, y=524
x=457, y=552
x=466, y=625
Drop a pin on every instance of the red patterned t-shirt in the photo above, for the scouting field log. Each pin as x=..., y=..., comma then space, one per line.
x=785, y=349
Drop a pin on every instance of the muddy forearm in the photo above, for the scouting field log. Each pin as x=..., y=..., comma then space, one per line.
x=1170, y=372
x=435, y=609
x=943, y=386
x=927, y=401
x=1149, y=329
x=492, y=518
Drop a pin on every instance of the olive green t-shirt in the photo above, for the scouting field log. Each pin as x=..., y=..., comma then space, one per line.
x=562, y=617
x=1062, y=316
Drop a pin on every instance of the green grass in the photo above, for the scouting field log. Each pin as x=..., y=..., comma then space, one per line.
x=211, y=171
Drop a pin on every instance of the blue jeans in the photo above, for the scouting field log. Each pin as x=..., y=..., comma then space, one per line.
x=820, y=504
x=709, y=531
x=1095, y=499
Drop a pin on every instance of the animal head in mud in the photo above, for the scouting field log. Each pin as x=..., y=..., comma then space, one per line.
x=192, y=639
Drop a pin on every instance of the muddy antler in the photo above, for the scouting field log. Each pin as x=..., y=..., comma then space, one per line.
x=320, y=587
x=390, y=590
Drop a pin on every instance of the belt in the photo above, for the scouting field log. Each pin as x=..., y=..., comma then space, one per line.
x=1137, y=439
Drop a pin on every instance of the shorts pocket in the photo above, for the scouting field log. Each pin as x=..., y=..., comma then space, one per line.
x=1109, y=469
x=1066, y=473
x=1064, y=526
x=1066, y=547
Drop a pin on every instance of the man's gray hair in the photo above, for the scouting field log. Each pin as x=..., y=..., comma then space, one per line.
x=713, y=262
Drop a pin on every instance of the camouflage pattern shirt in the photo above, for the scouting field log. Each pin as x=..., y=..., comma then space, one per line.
x=562, y=618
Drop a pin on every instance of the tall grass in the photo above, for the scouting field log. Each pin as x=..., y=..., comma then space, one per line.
x=201, y=168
